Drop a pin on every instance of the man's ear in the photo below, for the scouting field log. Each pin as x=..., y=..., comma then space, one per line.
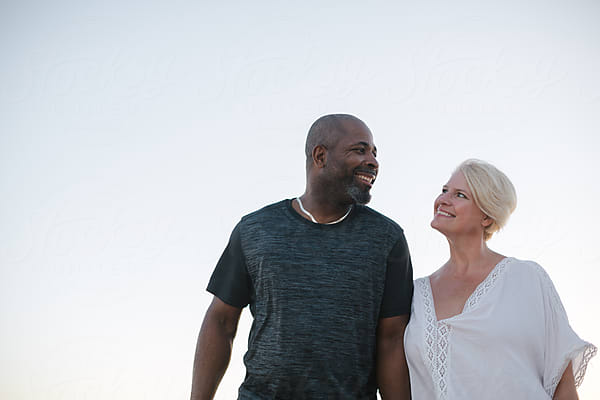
x=319, y=155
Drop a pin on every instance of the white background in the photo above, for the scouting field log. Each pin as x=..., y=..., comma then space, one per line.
x=135, y=134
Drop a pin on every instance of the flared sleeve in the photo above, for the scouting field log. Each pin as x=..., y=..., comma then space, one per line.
x=561, y=343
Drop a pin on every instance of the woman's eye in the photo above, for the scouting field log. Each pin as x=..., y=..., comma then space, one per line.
x=444, y=190
x=461, y=195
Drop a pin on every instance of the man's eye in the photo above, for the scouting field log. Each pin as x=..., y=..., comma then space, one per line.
x=360, y=150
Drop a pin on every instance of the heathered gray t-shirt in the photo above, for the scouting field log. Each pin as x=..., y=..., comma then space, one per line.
x=316, y=293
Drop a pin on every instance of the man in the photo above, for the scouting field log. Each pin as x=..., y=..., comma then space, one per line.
x=328, y=281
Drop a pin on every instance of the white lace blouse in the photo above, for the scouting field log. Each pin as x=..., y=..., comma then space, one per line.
x=511, y=341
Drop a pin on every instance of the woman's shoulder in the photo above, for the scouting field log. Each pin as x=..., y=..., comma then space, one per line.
x=528, y=270
x=526, y=266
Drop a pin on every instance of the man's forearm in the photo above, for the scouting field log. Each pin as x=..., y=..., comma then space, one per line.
x=392, y=369
x=213, y=349
x=392, y=374
x=210, y=364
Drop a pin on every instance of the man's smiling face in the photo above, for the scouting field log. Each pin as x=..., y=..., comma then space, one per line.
x=352, y=162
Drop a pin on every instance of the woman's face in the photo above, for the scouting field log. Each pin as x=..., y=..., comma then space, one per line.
x=455, y=211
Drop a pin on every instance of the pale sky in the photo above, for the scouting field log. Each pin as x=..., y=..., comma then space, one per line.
x=134, y=135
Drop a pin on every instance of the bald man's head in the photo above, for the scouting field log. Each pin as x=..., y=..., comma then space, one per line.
x=325, y=131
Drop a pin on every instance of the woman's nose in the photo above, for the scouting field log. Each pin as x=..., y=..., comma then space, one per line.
x=444, y=198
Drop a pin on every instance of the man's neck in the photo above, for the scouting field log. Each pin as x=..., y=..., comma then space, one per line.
x=322, y=209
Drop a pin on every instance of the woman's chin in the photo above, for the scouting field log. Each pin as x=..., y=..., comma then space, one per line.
x=434, y=224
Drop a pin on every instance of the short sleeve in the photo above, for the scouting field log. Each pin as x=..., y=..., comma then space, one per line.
x=398, y=289
x=561, y=345
x=230, y=281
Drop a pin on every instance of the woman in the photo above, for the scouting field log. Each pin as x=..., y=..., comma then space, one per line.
x=486, y=326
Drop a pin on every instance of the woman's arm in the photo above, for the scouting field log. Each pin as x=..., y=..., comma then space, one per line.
x=566, y=387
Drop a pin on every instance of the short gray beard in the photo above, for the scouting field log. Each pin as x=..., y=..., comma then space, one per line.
x=359, y=196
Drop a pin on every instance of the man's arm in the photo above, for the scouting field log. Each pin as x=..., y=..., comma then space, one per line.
x=392, y=370
x=213, y=349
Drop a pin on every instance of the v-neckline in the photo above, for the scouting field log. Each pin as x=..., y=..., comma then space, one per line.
x=483, y=287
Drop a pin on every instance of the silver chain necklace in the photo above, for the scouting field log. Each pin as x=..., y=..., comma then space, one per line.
x=313, y=219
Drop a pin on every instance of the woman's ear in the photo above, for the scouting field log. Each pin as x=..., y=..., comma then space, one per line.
x=486, y=221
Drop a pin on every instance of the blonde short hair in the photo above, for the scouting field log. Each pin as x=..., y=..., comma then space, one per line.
x=492, y=191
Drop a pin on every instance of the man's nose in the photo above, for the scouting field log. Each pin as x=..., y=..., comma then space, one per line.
x=372, y=161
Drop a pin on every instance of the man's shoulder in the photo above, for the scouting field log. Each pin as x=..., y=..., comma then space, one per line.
x=266, y=212
x=380, y=219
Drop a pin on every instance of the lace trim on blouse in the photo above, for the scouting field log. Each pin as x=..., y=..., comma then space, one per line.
x=436, y=342
x=579, y=356
x=588, y=351
x=488, y=283
x=437, y=333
